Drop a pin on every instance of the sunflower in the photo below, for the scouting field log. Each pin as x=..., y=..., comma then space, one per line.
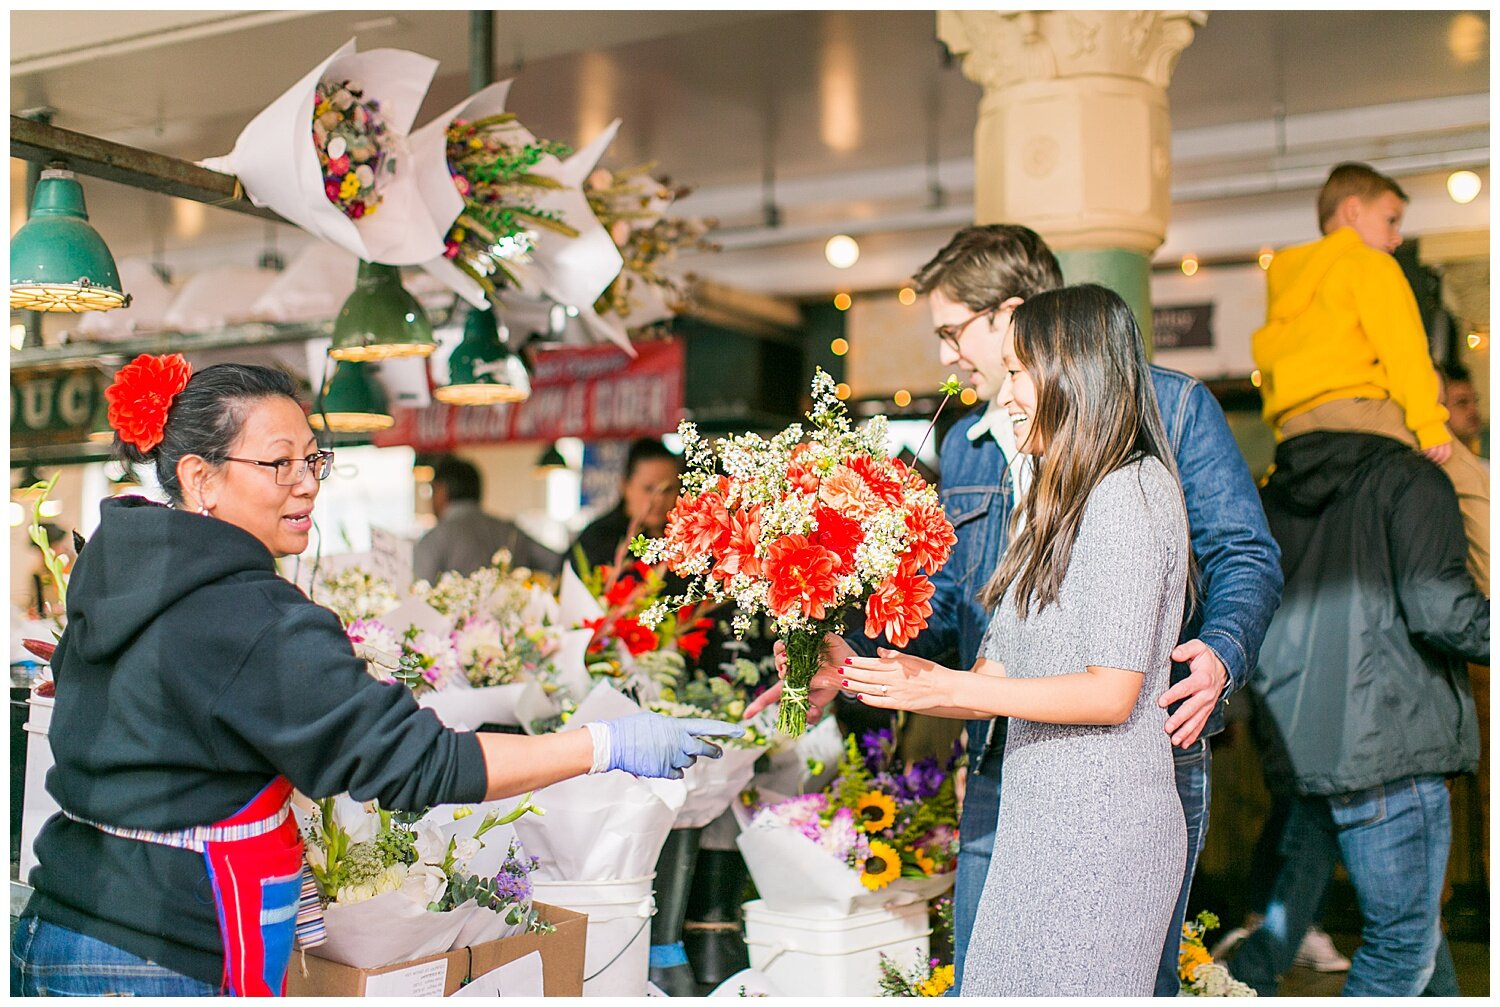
x=938, y=983
x=881, y=867
x=876, y=811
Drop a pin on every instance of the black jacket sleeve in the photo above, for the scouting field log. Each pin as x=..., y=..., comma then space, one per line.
x=304, y=702
x=1443, y=607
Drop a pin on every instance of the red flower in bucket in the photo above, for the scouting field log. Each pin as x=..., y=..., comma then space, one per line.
x=141, y=394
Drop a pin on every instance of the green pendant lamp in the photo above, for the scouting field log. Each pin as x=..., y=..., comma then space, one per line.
x=381, y=320
x=351, y=402
x=483, y=370
x=552, y=459
x=58, y=262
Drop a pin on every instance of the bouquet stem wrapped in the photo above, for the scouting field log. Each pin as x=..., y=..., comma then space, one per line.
x=805, y=650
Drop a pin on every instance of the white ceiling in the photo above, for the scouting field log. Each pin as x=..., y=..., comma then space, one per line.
x=853, y=112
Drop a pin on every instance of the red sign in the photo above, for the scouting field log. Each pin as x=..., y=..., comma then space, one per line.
x=591, y=392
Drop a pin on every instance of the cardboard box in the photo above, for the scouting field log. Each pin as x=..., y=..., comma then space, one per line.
x=442, y=975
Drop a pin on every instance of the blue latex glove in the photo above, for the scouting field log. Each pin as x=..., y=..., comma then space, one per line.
x=648, y=744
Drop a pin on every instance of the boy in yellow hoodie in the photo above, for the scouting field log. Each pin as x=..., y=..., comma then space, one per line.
x=1343, y=347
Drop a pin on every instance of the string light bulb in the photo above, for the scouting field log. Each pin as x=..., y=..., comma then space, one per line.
x=1464, y=187
x=842, y=301
x=1189, y=265
x=839, y=346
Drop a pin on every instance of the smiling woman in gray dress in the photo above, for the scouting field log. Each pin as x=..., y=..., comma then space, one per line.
x=1090, y=842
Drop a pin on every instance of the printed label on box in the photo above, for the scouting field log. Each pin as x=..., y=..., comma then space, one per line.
x=520, y=978
x=418, y=981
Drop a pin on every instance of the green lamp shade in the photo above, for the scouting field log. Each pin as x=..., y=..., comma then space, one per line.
x=551, y=459
x=381, y=320
x=58, y=262
x=483, y=371
x=351, y=402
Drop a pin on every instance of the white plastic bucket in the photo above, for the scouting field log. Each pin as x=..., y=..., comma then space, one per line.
x=834, y=956
x=36, y=804
x=616, y=956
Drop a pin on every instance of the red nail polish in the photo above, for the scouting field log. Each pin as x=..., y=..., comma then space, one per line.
x=848, y=660
x=858, y=698
x=845, y=683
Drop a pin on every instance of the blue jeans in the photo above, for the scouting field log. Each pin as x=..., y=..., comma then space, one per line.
x=976, y=833
x=976, y=841
x=1394, y=841
x=49, y=960
x=1194, y=768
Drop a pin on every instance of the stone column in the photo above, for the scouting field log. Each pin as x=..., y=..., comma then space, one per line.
x=1074, y=139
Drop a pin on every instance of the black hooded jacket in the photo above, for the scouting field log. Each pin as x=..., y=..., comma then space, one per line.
x=189, y=676
x=1362, y=678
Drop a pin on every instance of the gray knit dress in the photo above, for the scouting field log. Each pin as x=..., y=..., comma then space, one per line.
x=1090, y=846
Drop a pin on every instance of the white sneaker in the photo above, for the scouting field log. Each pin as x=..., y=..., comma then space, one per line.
x=1232, y=939
x=1317, y=952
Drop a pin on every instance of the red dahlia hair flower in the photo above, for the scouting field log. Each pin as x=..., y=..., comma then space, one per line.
x=141, y=394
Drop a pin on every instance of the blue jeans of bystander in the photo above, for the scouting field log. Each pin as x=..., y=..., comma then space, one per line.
x=49, y=960
x=1394, y=841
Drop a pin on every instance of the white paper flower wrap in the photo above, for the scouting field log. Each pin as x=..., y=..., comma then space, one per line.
x=275, y=159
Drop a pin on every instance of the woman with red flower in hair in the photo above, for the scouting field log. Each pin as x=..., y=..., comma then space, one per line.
x=195, y=688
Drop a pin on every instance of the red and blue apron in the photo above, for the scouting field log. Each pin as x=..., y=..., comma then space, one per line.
x=264, y=894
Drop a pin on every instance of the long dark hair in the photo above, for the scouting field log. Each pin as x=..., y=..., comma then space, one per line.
x=206, y=418
x=1095, y=412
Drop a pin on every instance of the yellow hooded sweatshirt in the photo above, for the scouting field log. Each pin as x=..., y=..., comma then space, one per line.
x=1342, y=323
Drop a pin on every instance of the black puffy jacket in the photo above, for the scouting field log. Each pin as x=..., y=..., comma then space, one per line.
x=1362, y=677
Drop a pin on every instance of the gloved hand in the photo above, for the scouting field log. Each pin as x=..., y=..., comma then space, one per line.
x=648, y=744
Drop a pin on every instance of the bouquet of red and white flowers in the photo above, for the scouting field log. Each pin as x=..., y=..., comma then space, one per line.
x=805, y=527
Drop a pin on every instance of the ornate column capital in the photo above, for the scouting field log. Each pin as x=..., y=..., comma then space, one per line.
x=1003, y=48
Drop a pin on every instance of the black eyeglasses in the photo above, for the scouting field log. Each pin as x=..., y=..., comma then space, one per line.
x=950, y=334
x=291, y=471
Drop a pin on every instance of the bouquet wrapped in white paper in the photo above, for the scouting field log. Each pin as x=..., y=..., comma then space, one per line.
x=882, y=834
x=396, y=890
x=480, y=168
x=329, y=155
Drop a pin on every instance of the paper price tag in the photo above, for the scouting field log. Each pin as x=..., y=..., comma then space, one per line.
x=520, y=978
x=391, y=558
x=418, y=981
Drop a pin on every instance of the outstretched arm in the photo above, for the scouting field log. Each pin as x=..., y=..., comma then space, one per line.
x=892, y=681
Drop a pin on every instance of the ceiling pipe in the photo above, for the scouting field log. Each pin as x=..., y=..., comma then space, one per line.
x=481, y=49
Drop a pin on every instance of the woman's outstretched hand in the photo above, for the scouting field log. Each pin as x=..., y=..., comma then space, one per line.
x=825, y=682
x=896, y=681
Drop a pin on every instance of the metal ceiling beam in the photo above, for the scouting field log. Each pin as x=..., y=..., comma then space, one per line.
x=140, y=169
x=118, y=351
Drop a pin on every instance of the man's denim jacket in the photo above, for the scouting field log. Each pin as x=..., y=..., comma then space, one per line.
x=1239, y=564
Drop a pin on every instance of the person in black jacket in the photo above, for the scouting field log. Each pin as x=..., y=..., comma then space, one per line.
x=196, y=688
x=1363, y=705
x=648, y=489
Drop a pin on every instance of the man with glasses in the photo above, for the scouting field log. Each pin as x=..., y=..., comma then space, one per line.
x=973, y=286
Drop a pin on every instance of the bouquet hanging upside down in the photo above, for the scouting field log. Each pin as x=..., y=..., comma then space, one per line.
x=805, y=527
